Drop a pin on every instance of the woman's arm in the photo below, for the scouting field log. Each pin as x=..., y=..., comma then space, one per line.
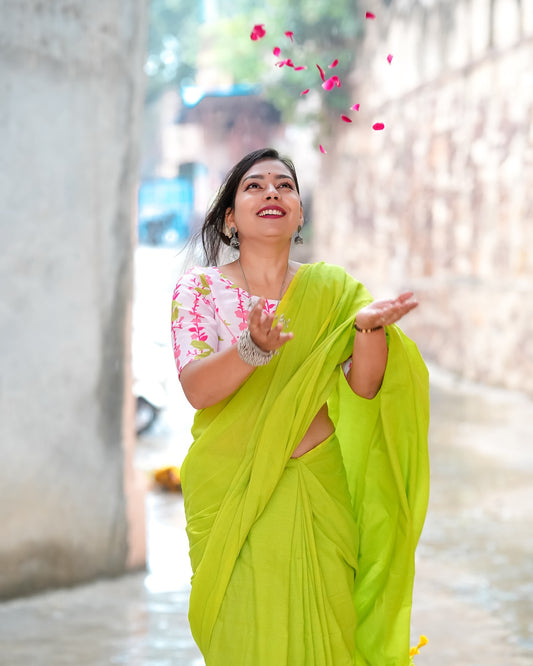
x=209, y=380
x=370, y=351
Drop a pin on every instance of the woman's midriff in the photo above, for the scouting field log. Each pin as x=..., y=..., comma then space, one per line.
x=320, y=429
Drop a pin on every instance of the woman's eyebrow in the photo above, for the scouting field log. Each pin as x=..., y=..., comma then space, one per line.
x=260, y=176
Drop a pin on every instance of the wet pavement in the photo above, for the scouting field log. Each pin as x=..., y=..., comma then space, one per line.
x=474, y=586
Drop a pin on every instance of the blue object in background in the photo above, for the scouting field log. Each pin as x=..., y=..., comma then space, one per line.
x=165, y=209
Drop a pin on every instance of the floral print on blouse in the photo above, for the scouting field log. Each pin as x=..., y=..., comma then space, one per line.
x=209, y=312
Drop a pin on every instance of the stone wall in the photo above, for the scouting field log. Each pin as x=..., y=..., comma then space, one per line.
x=441, y=200
x=71, y=98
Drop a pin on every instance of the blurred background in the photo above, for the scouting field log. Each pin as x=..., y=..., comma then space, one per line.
x=119, y=119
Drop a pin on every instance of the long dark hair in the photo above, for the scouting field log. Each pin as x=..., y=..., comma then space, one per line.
x=212, y=233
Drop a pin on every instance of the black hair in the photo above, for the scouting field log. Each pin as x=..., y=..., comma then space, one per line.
x=212, y=233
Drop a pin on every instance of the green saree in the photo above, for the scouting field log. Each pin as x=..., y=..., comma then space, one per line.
x=309, y=561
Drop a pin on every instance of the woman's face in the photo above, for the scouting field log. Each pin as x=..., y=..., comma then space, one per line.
x=267, y=203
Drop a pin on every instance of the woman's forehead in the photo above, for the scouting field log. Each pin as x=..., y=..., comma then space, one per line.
x=268, y=167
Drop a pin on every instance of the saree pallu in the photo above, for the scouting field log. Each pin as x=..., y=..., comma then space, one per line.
x=261, y=546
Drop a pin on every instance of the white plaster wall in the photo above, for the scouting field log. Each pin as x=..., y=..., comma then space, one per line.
x=71, y=94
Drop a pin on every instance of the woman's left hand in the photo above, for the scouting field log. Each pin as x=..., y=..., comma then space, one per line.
x=386, y=312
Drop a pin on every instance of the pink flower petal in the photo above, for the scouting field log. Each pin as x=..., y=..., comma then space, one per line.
x=290, y=35
x=389, y=58
x=277, y=51
x=299, y=68
x=322, y=149
x=337, y=81
x=369, y=15
x=322, y=75
x=378, y=126
x=355, y=107
x=334, y=63
x=346, y=119
x=329, y=84
x=304, y=92
x=282, y=63
x=258, y=32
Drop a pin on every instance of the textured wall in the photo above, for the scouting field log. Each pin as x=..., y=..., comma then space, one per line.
x=442, y=199
x=71, y=96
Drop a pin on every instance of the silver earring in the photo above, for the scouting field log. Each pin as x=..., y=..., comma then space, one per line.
x=298, y=240
x=234, y=242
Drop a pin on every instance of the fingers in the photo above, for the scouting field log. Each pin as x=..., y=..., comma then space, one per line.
x=264, y=334
x=387, y=311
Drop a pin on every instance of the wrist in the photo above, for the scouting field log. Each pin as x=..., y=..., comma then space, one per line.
x=362, y=329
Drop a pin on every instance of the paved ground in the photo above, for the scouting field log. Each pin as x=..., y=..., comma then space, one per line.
x=474, y=585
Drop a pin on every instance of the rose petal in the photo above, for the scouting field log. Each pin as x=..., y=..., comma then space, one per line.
x=277, y=51
x=329, y=84
x=389, y=58
x=299, y=68
x=334, y=63
x=355, y=107
x=322, y=75
x=258, y=32
x=304, y=92
x=378, y=126
x=346, y=119
x=282, y=63
x=337, y=81
x=369, y=15
x=290, y=35
x=322, y=149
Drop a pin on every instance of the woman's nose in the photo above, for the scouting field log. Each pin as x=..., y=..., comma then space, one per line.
x=271, y=191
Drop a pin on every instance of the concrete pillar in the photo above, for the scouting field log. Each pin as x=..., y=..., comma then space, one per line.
x=71, y=89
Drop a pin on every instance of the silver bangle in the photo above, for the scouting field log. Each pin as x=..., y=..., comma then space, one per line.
x=250, y=352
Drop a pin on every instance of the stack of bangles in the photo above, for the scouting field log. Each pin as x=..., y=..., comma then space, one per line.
x=250, y=352
x=366, y=330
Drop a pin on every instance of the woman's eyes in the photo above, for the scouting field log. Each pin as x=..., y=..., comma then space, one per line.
x=286, y=184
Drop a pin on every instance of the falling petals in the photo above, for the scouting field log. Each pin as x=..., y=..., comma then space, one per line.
x=277, y=51
x=334, y=63
x=322, y=75
x=290, y=35
x=346, y=119
x=378, y=126
x=369, y=15
x=331, y=83
x=322, y=149
x=258, y=32
x=355, y=107
x=389, y=58
x=304, y=92
x=299, y=68
x=283, y=63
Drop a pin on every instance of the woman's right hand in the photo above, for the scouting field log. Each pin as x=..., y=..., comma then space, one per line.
x=266, y=337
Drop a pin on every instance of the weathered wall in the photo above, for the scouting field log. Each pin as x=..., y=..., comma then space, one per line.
x=71, y=99
x=442, y=199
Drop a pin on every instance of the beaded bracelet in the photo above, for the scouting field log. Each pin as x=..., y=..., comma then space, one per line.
x=250, y=352
x=366, y=330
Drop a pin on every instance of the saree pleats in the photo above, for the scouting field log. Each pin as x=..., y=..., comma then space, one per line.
x=289, y=598
x=274, y=541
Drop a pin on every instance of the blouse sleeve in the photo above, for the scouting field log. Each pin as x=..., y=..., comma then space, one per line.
x=193, y=327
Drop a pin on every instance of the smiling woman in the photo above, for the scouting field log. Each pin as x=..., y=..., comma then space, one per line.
x=306, y=486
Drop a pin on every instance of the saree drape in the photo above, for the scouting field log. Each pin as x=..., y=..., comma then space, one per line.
x=309, y=561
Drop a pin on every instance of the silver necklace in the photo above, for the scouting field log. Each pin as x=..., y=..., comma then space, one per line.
x=248, y=286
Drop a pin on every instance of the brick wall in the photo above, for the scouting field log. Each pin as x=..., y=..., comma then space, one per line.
x=441, y=200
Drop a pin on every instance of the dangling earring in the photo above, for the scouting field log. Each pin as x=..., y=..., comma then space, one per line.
x=298, y=240
x=234, y=242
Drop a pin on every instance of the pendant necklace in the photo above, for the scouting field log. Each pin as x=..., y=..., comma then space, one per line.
x=279, y=319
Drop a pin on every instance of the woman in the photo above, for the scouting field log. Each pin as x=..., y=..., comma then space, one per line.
x=307, y=482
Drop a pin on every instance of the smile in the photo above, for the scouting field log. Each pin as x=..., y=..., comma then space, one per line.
x=275, y=212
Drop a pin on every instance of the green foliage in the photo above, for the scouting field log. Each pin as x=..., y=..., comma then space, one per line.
x=323, y=31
